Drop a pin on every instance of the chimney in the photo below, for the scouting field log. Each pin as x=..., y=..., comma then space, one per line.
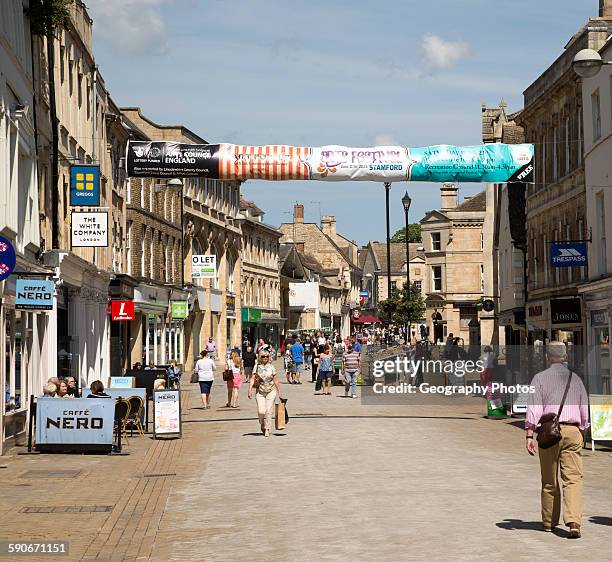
x=328, y=225
x=298, y=213
x=448, y=196
x=605, y=8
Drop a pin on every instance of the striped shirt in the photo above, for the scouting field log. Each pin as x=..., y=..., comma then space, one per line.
x=351, y=361
x=549, y=387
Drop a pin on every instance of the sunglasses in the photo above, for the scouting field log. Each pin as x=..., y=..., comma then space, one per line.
x=265, y=357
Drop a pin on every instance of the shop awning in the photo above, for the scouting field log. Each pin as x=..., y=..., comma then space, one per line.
x=367, y=319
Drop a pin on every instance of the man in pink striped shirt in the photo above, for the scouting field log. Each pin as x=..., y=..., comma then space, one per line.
x=565, y=456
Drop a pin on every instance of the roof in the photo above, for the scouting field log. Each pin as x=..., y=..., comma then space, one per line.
x=398, y=254
x=476, y=203
x=247, y=204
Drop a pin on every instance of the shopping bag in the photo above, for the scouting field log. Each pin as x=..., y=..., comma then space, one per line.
x=319, y=383
x=194, y=377
x=279, y=420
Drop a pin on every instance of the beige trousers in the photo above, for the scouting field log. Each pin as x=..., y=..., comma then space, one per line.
x=564, y=457
x=265, y=405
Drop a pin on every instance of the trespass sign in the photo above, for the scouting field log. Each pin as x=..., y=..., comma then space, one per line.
x=34, y=294
x=75, y=424
x=89, y=229
x=203, y=267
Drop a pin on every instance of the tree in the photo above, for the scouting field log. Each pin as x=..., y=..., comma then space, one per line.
x=414, y=234
x=404, y=307
x=46, y=15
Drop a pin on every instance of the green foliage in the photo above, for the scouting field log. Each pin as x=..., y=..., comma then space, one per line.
x=414, y=234
x=46, y=15
x=404, y=307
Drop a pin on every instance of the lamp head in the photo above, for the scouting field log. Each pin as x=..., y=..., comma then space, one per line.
x=175, y=183
x=406, y=201
x=587, y=63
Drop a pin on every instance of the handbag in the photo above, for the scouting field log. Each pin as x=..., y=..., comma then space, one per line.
x=228, y=375
x=194, y=377
x=549, y=430
x=256, y=378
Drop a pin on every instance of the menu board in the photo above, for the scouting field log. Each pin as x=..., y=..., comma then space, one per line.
x=601, y=418
x=167, y=413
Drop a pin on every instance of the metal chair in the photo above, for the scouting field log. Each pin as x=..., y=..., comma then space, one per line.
x=134, y=418
x=122, y=412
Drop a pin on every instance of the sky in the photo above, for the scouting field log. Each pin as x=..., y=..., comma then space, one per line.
x=316, y=72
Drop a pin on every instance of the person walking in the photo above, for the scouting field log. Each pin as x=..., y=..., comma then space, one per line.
x=297, y=361
x=205, y=369
x=325, y=369
x=267, y=389
x=339, y=350
x=351, y=363
x=287, y=359
x=561, y=392
x=315, y=361
x=234, y=385
x=248, y=362
x=211, y=348
x=307, y=353
x=174, y=374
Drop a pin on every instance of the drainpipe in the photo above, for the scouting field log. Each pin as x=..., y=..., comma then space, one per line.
x=55, y=241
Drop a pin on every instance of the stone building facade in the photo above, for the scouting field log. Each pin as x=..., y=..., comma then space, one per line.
x=260, y=278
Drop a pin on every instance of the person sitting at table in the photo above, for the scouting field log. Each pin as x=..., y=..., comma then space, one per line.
x=97, y=390
x=150, y=366
x=62, y=391
x=49, y=390
x=137, y=366
x=72, y=388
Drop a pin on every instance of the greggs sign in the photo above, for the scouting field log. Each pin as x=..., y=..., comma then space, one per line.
x=122, y=310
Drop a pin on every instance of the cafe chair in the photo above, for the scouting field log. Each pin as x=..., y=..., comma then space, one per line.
x=122, y=413
x=135, y=416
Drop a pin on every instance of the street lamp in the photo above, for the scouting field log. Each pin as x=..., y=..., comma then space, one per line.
x=587, y=63
x=176, y=184
x=387, y=190
x=406, y=203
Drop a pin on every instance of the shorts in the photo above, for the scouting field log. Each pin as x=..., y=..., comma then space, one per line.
x=325, y=375
x=248, y=371
x=236, y=382
x=205, y=386
x=297, y=367
x=308, y=358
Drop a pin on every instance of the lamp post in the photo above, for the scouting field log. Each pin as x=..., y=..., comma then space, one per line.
x=587, y=63
x=406, y=203
x=387, y=190
x=176, y=184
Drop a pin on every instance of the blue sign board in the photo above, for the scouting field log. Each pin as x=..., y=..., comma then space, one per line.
x=568, y=254
x=8, y=258
x=74, y=423
x=364, y=294
x=85, y=185
x=121, y=382
x=34, y=294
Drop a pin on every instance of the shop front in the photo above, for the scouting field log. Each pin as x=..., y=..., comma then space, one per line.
x=121, y=289
x=151, y=305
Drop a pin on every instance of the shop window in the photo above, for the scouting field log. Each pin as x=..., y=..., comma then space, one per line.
x=13, y=351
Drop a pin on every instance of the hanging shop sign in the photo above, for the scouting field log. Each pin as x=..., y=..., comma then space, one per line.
x=203, y=267
x=85, y=185
x=75, y=424
x=167, y=413
x=488, y=305
x=34, y=294
x=494, y=163
x=599, y=317
x=364, y=294
x=252, y=315
x=230, y=304
x=122, y=311
x=8, y=258
x=600, y=406
x=568, y=254
x=565, y=311
x=179, y=309
x=89, y=229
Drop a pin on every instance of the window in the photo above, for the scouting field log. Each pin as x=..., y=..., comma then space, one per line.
x=581, y=237
x=143, y=254
x=230, y=272
x=128, y=249
x=435, y=242
x=482, y=279
x=482, y=240
x=596, y=113
x=534, y=247
x=567, y=145
x=557, y=270
x=418, y=284
x=579, y=143
x=555, y=159
x=167, y=264
x=436, y=274
x=544, y=259
x=568, y=236
x=601, y=232
x=151, y=255
x=543, y=166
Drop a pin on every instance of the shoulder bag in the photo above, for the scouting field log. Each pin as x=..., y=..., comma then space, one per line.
x=549, y=430
x=256, y=379
x=228, y=375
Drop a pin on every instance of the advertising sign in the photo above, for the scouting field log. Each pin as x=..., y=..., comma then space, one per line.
x=85, y=185
x=121, y=382
x=8, y=258
x=122, y=311
x=89, y=229
x=75, y=424
x=565, y=311
x=601, y=417
x=494, y=163
x=304, y=295
x=34, y=294
x=167, y=413
x=230, y=304
x=179, y=309
x=203, y=267
x=568, y=254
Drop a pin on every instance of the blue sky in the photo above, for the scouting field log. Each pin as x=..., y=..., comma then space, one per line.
x=313, y=72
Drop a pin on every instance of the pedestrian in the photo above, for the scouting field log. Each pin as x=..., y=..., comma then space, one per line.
x=307, y=353
x=174, y=373
x=338, y=352
x=297, y=361
x=351, y=363
x=325, y=369
x=211, y=348
x=267, y=388
x=561, y=392
x=248, y=361
x=234, y=385
x=321, y=339
x=205, y=369
x=357, y=345
x=315, y=361
x=448, y=346
x=288, y=363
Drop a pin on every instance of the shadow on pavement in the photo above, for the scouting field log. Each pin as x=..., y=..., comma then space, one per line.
x=600, y=520
x=520, y=525
x=313, y=416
